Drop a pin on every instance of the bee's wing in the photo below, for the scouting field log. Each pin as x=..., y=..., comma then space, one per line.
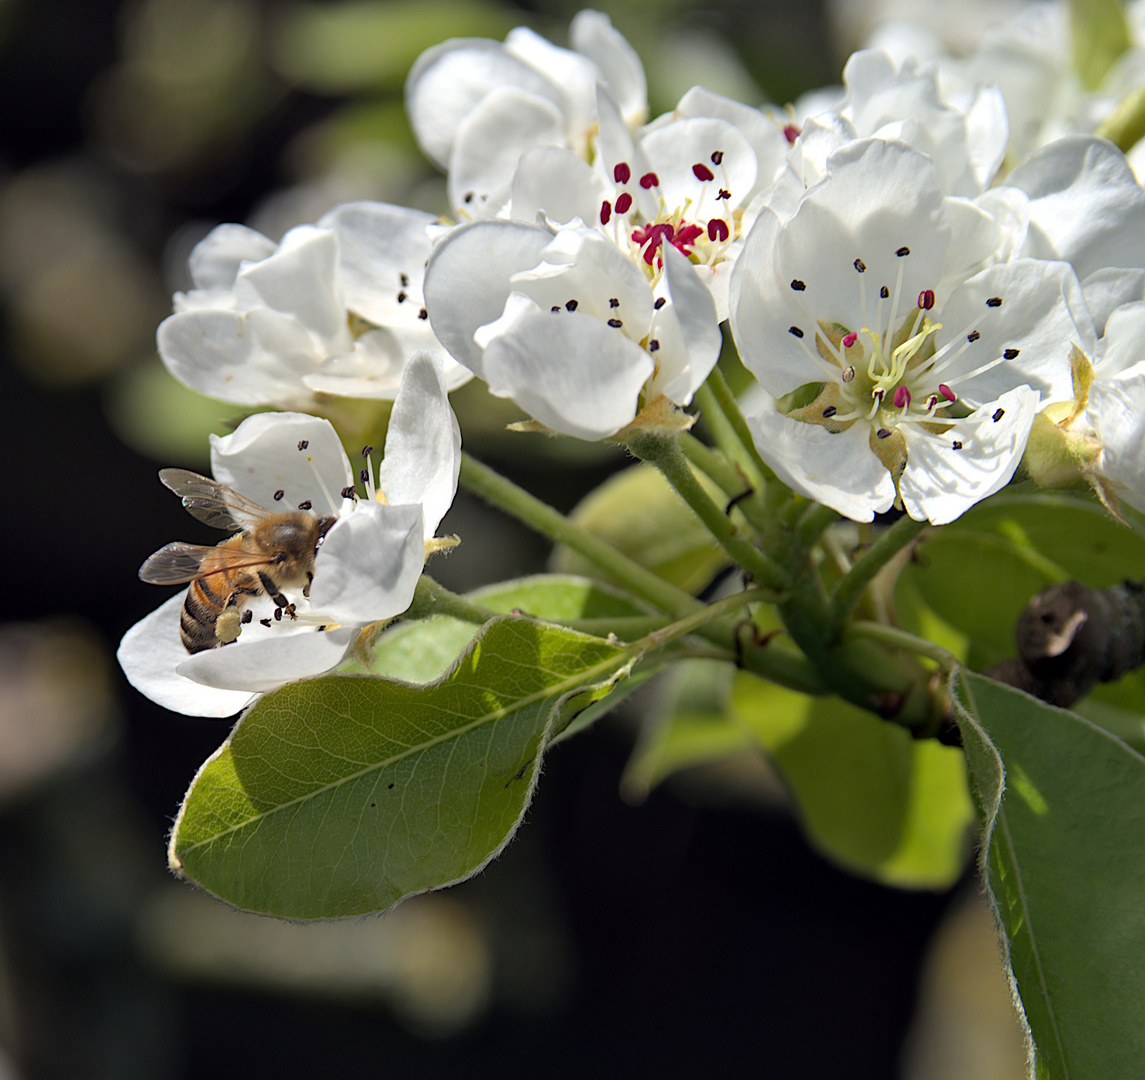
x=212, y=502
x=178, y=563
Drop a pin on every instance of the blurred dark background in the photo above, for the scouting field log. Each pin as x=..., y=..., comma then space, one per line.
x=695, y=934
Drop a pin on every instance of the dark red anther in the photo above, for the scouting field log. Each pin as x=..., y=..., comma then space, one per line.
x=623, y=202
x=791, y=133
x=850, y=339
x=622, y=173
x=946, y=392
x=926, y=299
x=649, y=180
x=902, y=397
x=605, y=212
x=718, y=230
x=702, y=172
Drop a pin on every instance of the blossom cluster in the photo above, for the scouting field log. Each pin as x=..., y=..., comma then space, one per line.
x=934, y=273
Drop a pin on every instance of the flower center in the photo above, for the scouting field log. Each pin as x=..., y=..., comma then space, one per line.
x=701, y=229
x=889, y=372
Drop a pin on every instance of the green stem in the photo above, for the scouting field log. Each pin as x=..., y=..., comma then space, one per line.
x=715, y=466
x=814, y=523
x=862, y=573
x=718, y=387
x=892, y=635
x=538, y=515
x=1126, y=125
x=664, y=452
x=783, y=666
x=430, y=599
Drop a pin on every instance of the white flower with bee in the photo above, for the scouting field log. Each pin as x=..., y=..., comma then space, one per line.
x=263, y=607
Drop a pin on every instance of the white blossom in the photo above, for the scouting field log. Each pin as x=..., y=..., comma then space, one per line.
x=567, y=325
x=366, y=567
x=889, y=379
x=334, y=308
x=477, y=105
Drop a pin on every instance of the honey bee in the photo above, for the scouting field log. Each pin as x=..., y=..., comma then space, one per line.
x=275, y=551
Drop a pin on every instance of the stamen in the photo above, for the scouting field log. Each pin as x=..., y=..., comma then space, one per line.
x=998, y=414
x=660, y=302
x=795, y=330
x=791, y=133
x=278, y=495
x=718, y=230
x=649, y=180
x=615, y=323
x=622, y=173
x=306, y=504
x=994, y=301
x=717, y=157
x=605, y=212
x=798, y=285
x=702, y=172
x=850, y=339
x=956, y=445
x=1010, y=354
x=571, y=305
x=303, y=444
x=902, y=398
x=926, y=299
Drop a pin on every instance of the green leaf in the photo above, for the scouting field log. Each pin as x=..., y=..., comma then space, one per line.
x=1064, y=858
x=978, y=574
x=689, y=725
x=422, y=651
x=344, y=794
x=1100, y=36
x=638, y=512
x=361, y=45
x=869, y=796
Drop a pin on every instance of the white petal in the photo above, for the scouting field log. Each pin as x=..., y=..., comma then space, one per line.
x=1123, y=346
x=217, y=258
x=270, y=662
x=877, y=199
x=675, y=148
x=616, y=146
x=492, y=138
x=149, y=653
x=1085, y=204
x=369, y=564
x=569, y=370
x=558, y=183
x=574, y=74
x=689, y=318
x=467, y=280
x=448, y=80
x=940, y=483
x=763, y=134
x=383, y=253
x=301, y=280
x=297, y=454
x=1117, y=411
x=1042, y=315
x=1107, y=289
x=840, y=471
x=423, y=444
x=250, y=358
x=762, y=309
x=592, y=33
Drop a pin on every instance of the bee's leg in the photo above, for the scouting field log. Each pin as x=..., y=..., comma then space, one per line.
x=282, y=606
x=228, y=626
